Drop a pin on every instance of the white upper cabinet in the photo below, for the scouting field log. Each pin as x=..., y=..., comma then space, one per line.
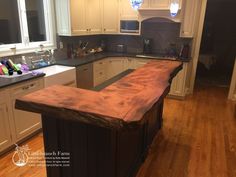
x=78, y=17
x=110, y=16
x=93, y=16
x=86, y=17
x=190, y=18
x=127, y=12
x=159, y=4
x=63, y=17
x=146, y=4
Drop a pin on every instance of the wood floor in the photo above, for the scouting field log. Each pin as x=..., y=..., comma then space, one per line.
x=198, y=140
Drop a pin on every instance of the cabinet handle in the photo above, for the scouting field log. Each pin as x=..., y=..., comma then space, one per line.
x=87, y=29
x=25, y=87
x=100, y=63
x=85, y=69
x=28, y=87
x=100, y=73
x=104, y=29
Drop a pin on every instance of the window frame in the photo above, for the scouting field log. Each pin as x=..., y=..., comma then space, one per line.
x=26, y=46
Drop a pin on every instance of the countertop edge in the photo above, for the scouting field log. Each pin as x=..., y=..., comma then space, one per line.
x=100, y=56
x=22, y=80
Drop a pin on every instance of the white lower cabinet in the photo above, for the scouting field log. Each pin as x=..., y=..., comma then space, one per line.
x=115, y=66
x=178, y=86
x=5, y=132
x=16, y=125
x=99, y=71
x=107, y=68
x=25, y=123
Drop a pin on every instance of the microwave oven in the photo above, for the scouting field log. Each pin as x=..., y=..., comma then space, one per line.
x=129, y=26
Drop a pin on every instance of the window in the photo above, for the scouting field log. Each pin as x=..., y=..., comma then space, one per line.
x=25, y=25
x=9, y=22
x=35, y=20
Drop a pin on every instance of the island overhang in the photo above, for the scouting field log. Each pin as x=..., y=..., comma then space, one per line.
x=120, y=105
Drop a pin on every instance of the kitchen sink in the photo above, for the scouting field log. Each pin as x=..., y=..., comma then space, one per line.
x=57, y=74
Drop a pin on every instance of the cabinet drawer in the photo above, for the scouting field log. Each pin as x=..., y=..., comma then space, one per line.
x=26, y=87
x=99, y=65
x=99, y=73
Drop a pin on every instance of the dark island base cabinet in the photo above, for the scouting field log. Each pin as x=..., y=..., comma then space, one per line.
x=100, y=152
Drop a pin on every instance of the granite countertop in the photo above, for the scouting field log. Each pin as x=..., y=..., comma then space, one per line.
x=95, y=57
x=5, y=82
x=120, y=105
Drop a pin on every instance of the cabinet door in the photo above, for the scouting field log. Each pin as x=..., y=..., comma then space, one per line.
x=178, y=83
x=84, y=76
x=162, y=4
x=78, y=17
x=110, y=16
x=126, y=11
x=25, y=123
x=115, y=67
x=191, y=12
x=5, y=133
x=93, y=16
x=146, y=4
x=63, y=17
x=99, y=71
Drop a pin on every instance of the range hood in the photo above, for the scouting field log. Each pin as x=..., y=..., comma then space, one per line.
x=148, y=13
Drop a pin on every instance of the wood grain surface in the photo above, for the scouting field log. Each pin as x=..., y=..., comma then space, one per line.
x=197, y=140
x=122, y=104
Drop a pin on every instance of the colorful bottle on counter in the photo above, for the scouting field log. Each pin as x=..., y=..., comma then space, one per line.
x=14, y=66
x=3, y=70
x=11, y=67
x=10, y=70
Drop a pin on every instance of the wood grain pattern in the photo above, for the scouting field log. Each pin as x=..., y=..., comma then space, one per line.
x=197, y=139
x=122, y=104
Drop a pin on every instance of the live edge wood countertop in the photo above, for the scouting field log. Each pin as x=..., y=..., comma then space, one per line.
x=120, y=105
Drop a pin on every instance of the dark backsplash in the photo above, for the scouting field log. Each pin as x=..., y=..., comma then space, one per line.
x=162, y=35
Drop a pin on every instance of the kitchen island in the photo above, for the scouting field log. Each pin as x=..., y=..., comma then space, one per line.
x=107, y=133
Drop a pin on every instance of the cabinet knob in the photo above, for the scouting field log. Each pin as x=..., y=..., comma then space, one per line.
x=104, y=29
